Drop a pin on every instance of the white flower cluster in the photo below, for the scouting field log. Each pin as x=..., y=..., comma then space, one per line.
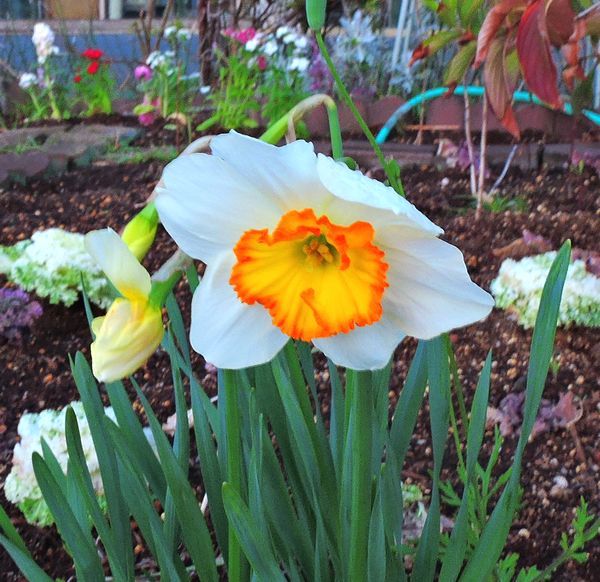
x=288, y=48
x=52, y=264
x=21, y=486
x=43, y=40
x=179, y=34
x=519, y=285
x=157, y=59
x=28, y=80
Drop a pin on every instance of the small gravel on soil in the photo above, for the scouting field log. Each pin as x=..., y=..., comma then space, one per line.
x=561, y=205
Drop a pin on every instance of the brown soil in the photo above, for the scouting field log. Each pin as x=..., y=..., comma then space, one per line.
x=561, y=205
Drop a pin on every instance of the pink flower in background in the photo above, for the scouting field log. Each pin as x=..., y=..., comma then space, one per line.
x=142, y=73
x=261, y=61
x=149, y=117
x=242, y=36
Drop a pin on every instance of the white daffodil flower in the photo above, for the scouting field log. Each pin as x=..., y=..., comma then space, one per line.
x=132, y=328
x=298, y=245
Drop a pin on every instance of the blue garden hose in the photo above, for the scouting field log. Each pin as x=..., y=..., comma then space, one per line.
x=518, y=96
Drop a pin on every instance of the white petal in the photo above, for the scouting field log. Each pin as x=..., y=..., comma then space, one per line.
x=206, y=205
x=352, y=186
x=227, y=332
x=117, y=261
x=364, y=348
x=288, y=172
x=430, y=290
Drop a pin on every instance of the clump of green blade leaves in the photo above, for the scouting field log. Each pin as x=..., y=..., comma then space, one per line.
x=318, y=493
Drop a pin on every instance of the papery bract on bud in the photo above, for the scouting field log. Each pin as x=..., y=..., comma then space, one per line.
x=298, y=245
x=132, y=329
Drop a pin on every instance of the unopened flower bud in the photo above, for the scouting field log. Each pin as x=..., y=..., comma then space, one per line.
x=140, y=231
x=315, y=13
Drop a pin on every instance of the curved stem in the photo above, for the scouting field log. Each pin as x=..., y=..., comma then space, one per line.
x=394, y=182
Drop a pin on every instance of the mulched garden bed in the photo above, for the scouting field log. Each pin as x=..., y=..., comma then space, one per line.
x=35, y=374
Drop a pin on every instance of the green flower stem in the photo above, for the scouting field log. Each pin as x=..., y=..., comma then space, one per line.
x=361, y=476
x=280, y=127
x=234, y=468
x=165, y=279
x=395, y=183
x=39, y=110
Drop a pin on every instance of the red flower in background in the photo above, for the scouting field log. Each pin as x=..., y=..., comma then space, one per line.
x=93, y=67
x=77, y=78
x=261, y=61
x=92, y=54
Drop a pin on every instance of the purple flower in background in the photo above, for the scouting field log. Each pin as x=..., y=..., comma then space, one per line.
x=17, y=313
x=143, y=73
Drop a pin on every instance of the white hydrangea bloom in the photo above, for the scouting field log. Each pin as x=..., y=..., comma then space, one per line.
x=519, y=285
x=290, y=38
x=27, y=80
x=52, y=265
x=21, y=487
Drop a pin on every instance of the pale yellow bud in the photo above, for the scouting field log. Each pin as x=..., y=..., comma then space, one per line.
x=126, y=337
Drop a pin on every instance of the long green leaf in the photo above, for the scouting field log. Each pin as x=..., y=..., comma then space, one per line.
x=22, y=558
x=96, y=417
x=493, y=538
x=439, y=399
x=456, y=550
x=193, y=525
x=256, y=548
x=10, y=531
x=133, y=433
x=79, y=542
x=408, y=405
x=210, y=469
x=83, y=480
x=376, y=551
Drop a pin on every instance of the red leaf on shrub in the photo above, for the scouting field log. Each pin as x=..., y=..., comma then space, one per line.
x=421, y=52
x=499, y=85
x=491, y=25
x=533, y=47
x=560, y=18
